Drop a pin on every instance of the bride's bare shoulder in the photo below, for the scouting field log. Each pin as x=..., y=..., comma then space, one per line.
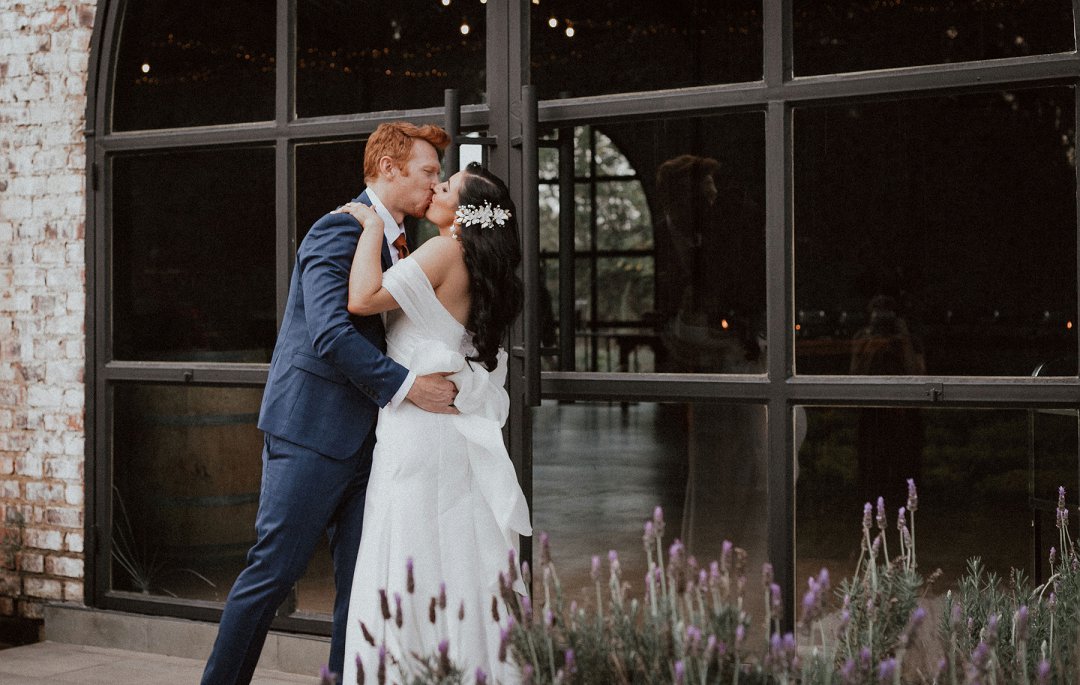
x=439, y=257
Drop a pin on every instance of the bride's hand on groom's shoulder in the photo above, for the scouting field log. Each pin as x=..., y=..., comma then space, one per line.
x=362, y=213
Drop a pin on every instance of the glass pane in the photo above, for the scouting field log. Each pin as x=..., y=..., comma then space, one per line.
x=973, y=473
x=622, y=216
x=193, y=264
x=600, y=468
x=936, y=236
x=327, y=176
x=832, y=36
x=194, y=64
x=186, y=471
x=643, y=45
x=365, y=57
x=671, y=213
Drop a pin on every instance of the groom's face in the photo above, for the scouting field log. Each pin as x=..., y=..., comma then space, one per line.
x=415, y=182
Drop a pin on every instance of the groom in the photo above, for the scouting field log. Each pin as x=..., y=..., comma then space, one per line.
x=328, y=378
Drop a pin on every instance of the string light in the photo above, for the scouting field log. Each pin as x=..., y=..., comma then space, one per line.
x=464, y=27
x=446, y=3
x=553, y=22
x=569, y=30
x=145, y=68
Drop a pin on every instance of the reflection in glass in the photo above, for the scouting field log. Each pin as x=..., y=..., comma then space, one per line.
x=975, y=471
x=599, y=469
x=907, y=261
x=193, y=64
x=642, y=45
x=832, y=36
x=193, y=255
x=669, y=216
x=356, y=57
x=186, y=472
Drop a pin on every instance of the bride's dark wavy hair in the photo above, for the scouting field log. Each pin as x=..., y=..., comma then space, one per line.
x=492, y=256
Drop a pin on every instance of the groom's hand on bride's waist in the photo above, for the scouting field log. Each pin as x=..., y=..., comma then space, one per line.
x=434, y=393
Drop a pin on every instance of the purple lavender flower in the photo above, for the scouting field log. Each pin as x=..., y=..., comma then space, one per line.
x=847, y=672
x=867, y=517
x=714, y=574
x=381, y=673
x=658, y=522
x=777, y=600
x=568, y=661
x=1042, y=673
x=886, y=671
x=444, y=658
x=710, y=645
x=431, y=610
x=526, y=608
x=511, y=566
x=693, y=640
x=992, y=629
x=823, y=580
x=481, y=677
x=766, y=574
x=649, y=538
x=549, y=618
x=526, y=674
x=504, y=643
x=725, y=555
x=703, y=578
x=613, y=562
x=545, y=549
x=981, y=656
x=526, y=573
x=398, y=619
x=461, y=611
x=882, y=522
x=410, y=583
x=1051, y=602
x=956, y=617
x=442, y=596
x=680, y=672
x=901, y=518
x=740, y=635
x=595, y=572
x=1023, y=620
x=912, y=496
x=845, y=621
x=384, y=605
x=359, y=670
x=864, y=658
x=326, y=676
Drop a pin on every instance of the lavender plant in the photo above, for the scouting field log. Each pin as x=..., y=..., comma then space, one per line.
x=690, y=624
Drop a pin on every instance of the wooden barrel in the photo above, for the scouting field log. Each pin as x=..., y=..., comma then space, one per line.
x=198, y=451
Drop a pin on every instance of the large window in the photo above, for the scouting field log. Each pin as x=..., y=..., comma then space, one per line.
x=785, y=256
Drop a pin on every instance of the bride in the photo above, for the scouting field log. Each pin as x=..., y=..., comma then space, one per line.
x=444, y=507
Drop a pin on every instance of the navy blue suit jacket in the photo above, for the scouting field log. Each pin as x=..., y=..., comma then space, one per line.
x=329, y=373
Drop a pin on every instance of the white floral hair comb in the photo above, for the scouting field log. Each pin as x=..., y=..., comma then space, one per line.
x=487, y=215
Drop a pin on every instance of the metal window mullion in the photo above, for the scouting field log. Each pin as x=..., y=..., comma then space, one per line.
x=217, y=373
x=928, y=79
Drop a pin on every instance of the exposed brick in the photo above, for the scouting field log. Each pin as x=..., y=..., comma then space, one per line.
x=66, y=567
x=73, y=542
x=40, y=538
x=65, y=517
x=32, y=609
x=30, y=562
x=45, y=588
x=73, y=591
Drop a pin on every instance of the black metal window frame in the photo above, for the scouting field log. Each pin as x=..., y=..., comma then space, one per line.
x=776, y=95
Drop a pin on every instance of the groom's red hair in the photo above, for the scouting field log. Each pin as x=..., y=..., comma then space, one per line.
x=395, y=140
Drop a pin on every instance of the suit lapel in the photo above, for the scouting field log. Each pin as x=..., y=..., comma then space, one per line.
x=386, y=261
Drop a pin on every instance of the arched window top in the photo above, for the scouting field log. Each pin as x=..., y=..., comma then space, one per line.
x=195, y=63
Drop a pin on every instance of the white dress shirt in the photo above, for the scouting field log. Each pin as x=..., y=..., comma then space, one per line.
x=392, y=229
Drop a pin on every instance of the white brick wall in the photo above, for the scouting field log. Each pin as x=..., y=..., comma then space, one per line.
x=44, y=52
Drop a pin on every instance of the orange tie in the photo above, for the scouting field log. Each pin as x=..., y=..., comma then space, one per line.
x=402, y=248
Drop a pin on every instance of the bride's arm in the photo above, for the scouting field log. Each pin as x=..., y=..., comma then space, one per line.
x=366, y=294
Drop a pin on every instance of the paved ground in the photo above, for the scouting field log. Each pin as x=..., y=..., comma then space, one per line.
x=53, y=662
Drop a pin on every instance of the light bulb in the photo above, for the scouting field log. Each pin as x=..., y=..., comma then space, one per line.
x=145, y=68
x=464, y=28
x=553, y=22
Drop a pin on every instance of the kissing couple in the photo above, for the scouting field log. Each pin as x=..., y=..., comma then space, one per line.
x=382, y=415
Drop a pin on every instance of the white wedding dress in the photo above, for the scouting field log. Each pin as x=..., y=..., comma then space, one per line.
x=443, y=493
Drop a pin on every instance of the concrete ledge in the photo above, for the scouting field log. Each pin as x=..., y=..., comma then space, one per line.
x=79, y=625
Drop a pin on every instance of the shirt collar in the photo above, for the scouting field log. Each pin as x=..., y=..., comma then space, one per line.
x=391, y=228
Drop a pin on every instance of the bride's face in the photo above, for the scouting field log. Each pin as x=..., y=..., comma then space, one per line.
x=444, y=203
